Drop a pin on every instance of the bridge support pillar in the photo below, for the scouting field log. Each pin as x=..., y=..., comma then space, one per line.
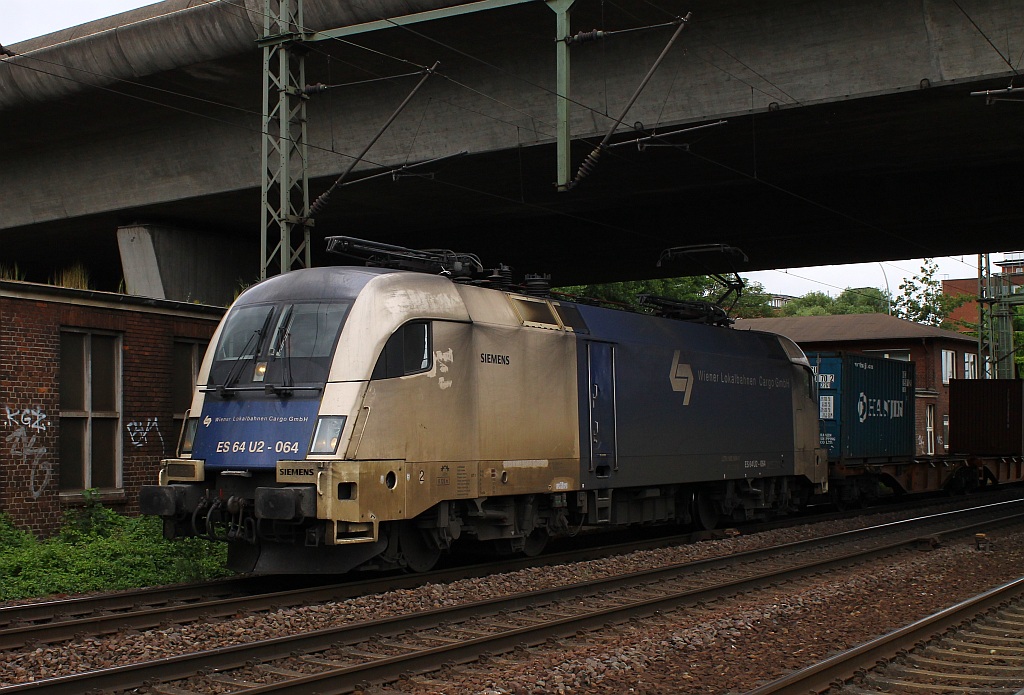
x=187, y=266
x=563, y=133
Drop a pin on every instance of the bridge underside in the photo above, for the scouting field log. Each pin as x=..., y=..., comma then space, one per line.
x=924, y=173
x=912, y=172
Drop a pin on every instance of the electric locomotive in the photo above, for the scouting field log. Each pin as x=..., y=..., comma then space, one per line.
x=357, y=417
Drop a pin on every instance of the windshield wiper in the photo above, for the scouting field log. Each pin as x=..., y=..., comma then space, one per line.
x=236, y=369
x=282, y=347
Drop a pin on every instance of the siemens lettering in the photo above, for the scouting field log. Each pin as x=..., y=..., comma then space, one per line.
x=488, y=358
x=296, y=471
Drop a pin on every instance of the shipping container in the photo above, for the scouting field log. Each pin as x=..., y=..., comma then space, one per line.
x=866, y=407
x=986, y=417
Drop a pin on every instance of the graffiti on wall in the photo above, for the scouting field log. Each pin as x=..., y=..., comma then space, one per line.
x=26, y=425
x=140, y=430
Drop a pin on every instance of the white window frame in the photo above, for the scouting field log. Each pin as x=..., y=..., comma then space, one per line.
x=948, y=366
x=929, y=430
x=970, y=365
x=901, y=355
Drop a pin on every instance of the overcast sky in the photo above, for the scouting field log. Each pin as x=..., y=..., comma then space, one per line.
x=25, y=19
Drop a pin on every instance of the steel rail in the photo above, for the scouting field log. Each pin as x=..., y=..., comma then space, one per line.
x=130, y=599
x=184, y=666
x=45, y=622
x=845, y=665
x=37, y=623
x=54, y=620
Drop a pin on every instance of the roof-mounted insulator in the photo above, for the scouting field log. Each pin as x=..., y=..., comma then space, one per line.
x=585, y=36
x=537, y=285
x=501, y=277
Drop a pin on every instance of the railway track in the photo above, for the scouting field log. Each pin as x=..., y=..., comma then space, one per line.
x=52, y=621
x=976, y=646
x=338, y=659
x=56, y=621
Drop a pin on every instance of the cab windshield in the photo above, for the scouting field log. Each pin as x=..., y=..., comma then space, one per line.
x=277, y=344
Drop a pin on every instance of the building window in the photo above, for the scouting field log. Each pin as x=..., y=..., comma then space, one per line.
x=945, y=432
x=901, y=355
x=929, y=430
x=90, y=411
x=970, y=365
x=948, y=366
x=188, y=356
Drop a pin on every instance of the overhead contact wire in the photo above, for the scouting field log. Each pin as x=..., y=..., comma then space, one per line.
x=591, y=160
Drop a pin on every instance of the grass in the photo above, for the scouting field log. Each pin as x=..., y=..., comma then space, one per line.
x=100, y=550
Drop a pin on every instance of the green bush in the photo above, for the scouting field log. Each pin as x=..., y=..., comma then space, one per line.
x=12, y=536
x=100, y=550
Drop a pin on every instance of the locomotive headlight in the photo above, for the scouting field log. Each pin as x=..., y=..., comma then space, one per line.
x=261, y=371
x=327, y=434
x=188, y=436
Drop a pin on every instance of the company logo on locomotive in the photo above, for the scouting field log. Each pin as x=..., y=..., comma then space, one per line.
x=681, y=378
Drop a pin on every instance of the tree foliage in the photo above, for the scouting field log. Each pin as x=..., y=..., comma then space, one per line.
x=921, y=299
x=852, y=300
x=753, y=301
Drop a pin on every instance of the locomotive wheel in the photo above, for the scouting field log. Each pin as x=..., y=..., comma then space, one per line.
x=705, y=511
x=535, y=543
x=419, y=554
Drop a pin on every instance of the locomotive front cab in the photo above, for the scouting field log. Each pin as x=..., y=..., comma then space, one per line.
x=256, y=411
x=264, y=461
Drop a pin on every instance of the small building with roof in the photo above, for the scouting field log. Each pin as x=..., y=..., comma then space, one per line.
x=939, y=357
x=94, y=387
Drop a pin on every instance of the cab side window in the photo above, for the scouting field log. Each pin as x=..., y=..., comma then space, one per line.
x=406, y=352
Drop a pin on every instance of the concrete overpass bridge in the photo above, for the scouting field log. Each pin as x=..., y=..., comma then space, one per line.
x=851, y=134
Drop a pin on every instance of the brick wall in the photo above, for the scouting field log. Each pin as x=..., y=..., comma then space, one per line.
x=29, y=398
x=31, y=319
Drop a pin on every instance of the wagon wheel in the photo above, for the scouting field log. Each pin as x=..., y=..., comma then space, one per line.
x=418, y=553
x=534, y=544
x=705, y=511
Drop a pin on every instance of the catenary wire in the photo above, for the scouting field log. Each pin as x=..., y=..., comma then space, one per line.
x=970, y=19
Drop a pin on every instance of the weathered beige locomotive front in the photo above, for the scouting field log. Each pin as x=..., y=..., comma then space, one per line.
x=450, y=419
x=490, y=413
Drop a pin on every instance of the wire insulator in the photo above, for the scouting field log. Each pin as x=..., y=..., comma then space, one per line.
x=537, y=285
x=311, y=89
x=585, y=36
x=588, y=165
x=319, y=203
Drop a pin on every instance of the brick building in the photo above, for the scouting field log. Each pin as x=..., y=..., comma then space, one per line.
x=965, y=316
x=938, y=355
x=93, y=389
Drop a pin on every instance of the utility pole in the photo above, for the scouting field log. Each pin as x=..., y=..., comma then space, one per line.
x=997, y=303
x=285, y=218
